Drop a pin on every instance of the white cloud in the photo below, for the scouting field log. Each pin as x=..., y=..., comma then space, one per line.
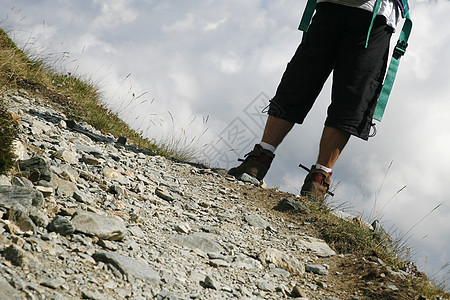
x=114, y=13
x=185, y=24
x=214, y=25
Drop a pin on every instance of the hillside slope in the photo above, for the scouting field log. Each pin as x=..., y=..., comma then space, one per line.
x=84, y=216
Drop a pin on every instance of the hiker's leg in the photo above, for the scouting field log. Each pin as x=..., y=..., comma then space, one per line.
x=275, y=131
x=300, y=85
x=358, y=74
x=309, y=68
x=332, y=143
x=318, y=181
x=258, y=161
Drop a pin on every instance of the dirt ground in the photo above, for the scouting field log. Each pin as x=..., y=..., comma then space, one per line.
x=351, y=275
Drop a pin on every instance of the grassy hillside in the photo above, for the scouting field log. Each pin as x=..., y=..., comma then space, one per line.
x=79, y=99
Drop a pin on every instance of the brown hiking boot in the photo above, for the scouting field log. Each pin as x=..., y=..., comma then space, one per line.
x=316, y=184
x=256, y=163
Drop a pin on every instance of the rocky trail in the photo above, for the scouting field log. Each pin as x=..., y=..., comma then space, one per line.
x=91, y=217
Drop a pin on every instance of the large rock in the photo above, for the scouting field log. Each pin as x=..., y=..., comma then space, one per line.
x=256, y=220
x=19, y=257
x=132, y=268
x=202, y=241
x=281, y=260
x=317, y=246
x=106, y=228
x=290, y=203
x=317, y=269
x=61, y=225
x=7, y=292
x=64, y=188
x=11, y=195
x=35, y=169
x=66, y=156
x=19, y=215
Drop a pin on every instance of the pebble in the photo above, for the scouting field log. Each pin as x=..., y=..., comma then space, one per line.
x=317, y=269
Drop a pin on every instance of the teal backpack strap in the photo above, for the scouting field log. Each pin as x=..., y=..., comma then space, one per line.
x=374, y=15
x=399, y=51
x=307, y=16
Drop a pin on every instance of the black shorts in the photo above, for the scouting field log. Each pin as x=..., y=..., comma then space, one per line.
x=336, y=42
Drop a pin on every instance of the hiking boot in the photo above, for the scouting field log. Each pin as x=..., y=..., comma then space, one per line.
x=256, y=163
x=316, y=184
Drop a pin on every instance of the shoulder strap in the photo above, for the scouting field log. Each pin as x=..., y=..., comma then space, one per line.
x=374, y=15
x=399, y=51
x=307, y=16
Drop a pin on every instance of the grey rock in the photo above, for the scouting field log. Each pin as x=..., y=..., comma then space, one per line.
x=54, y=282
x=35, y=169
x=108, y=245
x=317, y=246
x=166, y=195
x=281, y=272
x=244, y=262
x=40, y=127
x=61, y=225
x=20, y=217
x=132, y=268
x=256, y=220
x=90, y=160
x=97, y=152
x=38, y=217
x=289, y=203
x=392, y=287
x=202, y=241
x=316, y=269
x=7, y=292
x=82, y=197
x=16, y=255
x=64, y=188
x=219, y=263
x=210, y=283
x=66, y=156
x=5, y=180
x=136, y=231
x=62, y=124
x=183, y=228
x=21, y=181
x=45, y=190
x=281, y=260
x=122, y=180
x=10, y=195
x=166, y=295
x=107, y=228
x=94, y=295
x=248, y=178
x=265, y=285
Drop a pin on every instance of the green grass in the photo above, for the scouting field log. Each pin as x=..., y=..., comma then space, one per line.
x=79, y=98
x=7, y=135
x=350, y=237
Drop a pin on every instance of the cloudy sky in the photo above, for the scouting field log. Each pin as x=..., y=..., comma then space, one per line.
x=200, y=72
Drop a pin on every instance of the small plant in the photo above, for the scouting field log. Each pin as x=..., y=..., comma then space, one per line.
x=410, y=268
x=7, y=135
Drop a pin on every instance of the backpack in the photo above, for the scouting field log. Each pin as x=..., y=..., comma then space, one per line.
x=399, y=49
